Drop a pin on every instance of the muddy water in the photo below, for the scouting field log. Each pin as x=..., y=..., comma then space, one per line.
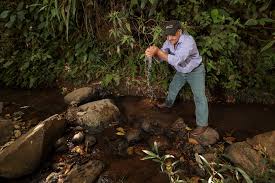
x=238, y=120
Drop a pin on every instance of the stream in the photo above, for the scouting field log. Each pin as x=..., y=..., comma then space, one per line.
x=239, y=121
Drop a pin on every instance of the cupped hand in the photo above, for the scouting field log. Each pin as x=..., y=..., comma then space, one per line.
x=151, y=51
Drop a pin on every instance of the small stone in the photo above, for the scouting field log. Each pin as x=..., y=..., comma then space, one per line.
x=16, y=126
x=17, y=133
x=78, y=138
x=178, y=125
x=78, y=128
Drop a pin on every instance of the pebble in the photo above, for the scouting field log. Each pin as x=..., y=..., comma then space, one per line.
x=78, y=138
x=17, y=133
x=16, y=126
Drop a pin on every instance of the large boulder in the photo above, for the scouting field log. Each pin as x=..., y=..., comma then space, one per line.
x=79, y=95
x=244, y=156
x=6, y=130
x=88, y=172
x=24, y=155
x=264, y=142
x=97, y=114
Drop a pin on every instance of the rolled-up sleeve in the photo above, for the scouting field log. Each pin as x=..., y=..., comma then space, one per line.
x=182, y=52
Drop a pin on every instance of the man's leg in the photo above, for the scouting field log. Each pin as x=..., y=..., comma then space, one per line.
x=176, y=84
x=196, y=79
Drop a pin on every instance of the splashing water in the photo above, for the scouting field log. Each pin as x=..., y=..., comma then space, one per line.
x=148, y=66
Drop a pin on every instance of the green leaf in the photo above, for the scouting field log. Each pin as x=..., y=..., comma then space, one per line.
x=133, y=3
x=12, y=20
x=21, y=15
x=150, y=153
x=251, y=22
x=20, y=6
x=7, y=64
x=215, y=15
x=143, y=3
x=244, y=174
x=5, y=14
x=268, y=45
x=32, y=81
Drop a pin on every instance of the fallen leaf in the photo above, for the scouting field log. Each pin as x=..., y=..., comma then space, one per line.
x=229, y=140
x=120, y=129
x=78, y=149
x=120, y=133
x=193, y=141
x=188, y=128
x=130, y=150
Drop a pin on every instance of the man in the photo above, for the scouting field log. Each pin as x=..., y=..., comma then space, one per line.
x=180, y=51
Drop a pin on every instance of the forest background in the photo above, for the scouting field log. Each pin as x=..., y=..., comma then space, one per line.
x=51, y=42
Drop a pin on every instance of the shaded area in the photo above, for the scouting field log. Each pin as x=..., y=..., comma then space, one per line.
x=239, y=120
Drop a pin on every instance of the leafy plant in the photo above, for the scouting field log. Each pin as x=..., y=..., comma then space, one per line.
x=218, y=172
x=167, y=163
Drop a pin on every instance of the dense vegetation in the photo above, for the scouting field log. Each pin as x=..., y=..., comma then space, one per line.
x=87, y=40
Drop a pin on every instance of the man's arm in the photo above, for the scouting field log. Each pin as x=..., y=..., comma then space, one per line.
x=154, y=51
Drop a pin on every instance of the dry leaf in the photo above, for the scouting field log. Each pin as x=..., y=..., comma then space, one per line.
x=120, y=133
x=195, y=179
x=229, y=140
x=78, y=149
x=193, y=141
x=120, y=129
x=188, y=128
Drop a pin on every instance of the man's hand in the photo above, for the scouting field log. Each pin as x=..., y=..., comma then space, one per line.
x=151, y=51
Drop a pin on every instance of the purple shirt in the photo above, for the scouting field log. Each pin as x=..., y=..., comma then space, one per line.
x=184, y=57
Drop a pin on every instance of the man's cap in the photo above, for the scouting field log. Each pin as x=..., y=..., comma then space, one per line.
x=171, y=27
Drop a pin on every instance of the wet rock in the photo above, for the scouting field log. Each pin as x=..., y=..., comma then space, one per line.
x=209, y=137
x=78, y=138
x=60, y=145
x=1, y=107
x=178, y=125
x=60, y=142
x=107, y=177
x=243, y=155
x=264, y=142
x=6, y=130
x=88, y=172
x=119, y=147
x=98, y=114
x=79, y=95
x=78, y=128
x=71, y=113
x=162, y=142
x=24, y=155
x=133, y=135
x=154, y=126
x=17, y=133
x=146, y=126
x=89, y=141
